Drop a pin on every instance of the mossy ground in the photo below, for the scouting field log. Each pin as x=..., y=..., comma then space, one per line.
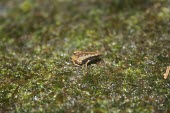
x=38, y=37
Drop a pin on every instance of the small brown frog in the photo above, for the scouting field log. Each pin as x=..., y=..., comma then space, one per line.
x=84, y=58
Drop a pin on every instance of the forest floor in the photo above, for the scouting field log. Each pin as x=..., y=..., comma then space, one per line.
x=38, y=38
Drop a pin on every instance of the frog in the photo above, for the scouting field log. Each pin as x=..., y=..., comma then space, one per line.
x=80, y=58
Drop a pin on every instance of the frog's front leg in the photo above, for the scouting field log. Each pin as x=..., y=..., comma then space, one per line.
x=76, y=64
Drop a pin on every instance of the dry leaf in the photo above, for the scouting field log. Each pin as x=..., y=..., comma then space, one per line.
x=167, y=72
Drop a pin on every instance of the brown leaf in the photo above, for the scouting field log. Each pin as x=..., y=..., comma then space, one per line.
x=167, y=72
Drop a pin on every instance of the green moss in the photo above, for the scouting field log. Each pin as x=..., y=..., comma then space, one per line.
x=25, y=6
x=37, y=39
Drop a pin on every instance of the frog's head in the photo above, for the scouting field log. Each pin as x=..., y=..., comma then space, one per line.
x=76, y=52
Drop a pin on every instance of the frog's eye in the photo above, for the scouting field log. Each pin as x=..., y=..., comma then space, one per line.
x=76, y=52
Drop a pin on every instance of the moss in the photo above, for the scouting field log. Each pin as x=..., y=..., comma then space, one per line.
x=37, y=39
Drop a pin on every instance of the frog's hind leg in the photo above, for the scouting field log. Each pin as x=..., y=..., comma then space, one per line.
x=86, y=68
x=86, y=64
